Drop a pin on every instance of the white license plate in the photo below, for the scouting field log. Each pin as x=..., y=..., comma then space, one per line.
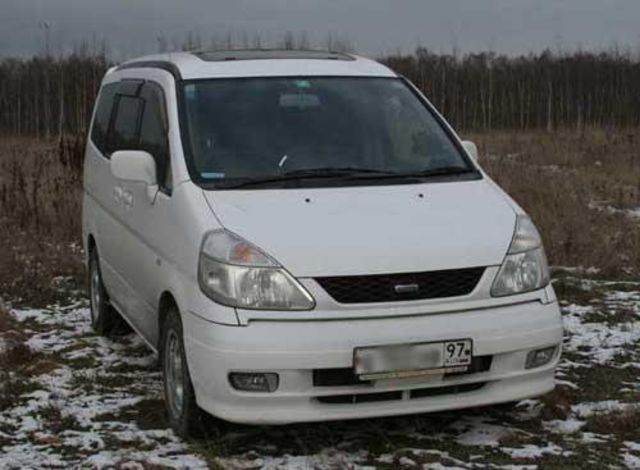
x=408, y=360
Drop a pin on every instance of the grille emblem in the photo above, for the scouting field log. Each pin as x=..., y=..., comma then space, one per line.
x=406, y=288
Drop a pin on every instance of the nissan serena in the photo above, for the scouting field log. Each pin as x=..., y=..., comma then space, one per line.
x=302, y=237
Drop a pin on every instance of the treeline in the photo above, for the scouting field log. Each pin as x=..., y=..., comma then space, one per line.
x=488, y=91
x=48, y=97
x=44, y=97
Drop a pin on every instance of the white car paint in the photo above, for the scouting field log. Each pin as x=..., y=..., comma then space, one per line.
x=193, y=68
x=373, y=229
x=150, y=248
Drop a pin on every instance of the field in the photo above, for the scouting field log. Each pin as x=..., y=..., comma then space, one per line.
x=70, y=398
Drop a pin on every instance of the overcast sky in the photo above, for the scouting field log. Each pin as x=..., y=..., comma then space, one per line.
x=373, y=27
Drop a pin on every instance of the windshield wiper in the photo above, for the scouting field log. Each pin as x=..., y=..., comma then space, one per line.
x=430, y=172
x=347, y=173
x=312, y=173
x=443, y=171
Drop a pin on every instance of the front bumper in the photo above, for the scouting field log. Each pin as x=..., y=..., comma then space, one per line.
x=294, y=349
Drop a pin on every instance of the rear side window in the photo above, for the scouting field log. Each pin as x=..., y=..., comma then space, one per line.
x=123, y=134
x=102, y=117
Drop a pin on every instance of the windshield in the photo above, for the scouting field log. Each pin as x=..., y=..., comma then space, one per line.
x=319, y=128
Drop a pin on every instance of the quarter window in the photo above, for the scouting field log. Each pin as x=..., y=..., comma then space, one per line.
x=102, y=117
x=153, y=130
x=124, y=133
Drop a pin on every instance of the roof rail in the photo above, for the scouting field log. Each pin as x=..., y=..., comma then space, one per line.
x=154, y=64
x=266, y=54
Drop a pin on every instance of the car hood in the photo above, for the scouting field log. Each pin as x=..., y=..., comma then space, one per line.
x=374, y=229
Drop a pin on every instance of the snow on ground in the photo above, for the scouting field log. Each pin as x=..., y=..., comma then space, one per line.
x=71, y=416
x=593, y=332
x=73, y=399
x=633, y=213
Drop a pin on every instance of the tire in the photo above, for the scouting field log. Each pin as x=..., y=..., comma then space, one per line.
x=183, y=413
x=103, y=316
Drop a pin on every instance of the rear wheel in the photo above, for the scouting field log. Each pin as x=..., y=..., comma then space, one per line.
x=103, y=316
x=183, y=413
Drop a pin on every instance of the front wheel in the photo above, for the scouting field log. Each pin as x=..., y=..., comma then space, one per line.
x=182, y=411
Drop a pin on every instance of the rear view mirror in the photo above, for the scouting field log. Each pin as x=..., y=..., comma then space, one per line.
x=134, y=165
x=471, y=148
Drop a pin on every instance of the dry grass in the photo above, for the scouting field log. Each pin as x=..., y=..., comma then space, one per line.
x=14, y=380
x=6, y=321
x=575, y=186
x=40, y=203
x=625, y=423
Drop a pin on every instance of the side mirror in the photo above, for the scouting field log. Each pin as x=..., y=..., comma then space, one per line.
x=136, y=166
x=471, y=149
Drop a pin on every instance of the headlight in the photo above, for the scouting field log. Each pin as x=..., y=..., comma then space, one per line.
x=236, y=273
x=525, y=267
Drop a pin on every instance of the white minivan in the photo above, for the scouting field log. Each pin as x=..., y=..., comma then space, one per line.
x=302, y=237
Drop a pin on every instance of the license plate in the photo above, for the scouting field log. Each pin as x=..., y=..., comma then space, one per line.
x=410, y=360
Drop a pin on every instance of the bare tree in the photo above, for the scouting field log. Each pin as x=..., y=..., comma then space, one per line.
x=45, y=96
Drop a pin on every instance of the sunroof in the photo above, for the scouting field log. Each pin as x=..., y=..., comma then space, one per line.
x=257, y=54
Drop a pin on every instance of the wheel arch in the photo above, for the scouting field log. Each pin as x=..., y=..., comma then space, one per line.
x=91, y=244
x=167, y=300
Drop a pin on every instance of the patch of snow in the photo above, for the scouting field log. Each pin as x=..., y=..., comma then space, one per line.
x=385, y=458
x=530, y=451
x=587, y=409
x=630, y=460
x=406, y=462
x=599, y=206
x=623, y=296
x=325, y=459
x=74, y=392
x=592, y=270
x=600, y=341
x=105, y=438
x=439, y=466
x=593, y=438
x=566, y=383
x=477, y=432
x=566, y=426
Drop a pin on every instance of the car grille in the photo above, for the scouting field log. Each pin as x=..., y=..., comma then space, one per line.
x=401, y=287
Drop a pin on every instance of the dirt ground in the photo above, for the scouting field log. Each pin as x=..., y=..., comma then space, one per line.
x=70, y=398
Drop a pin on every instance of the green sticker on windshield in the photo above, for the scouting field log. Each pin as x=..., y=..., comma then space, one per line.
x=303, y=83
x=190, y=91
